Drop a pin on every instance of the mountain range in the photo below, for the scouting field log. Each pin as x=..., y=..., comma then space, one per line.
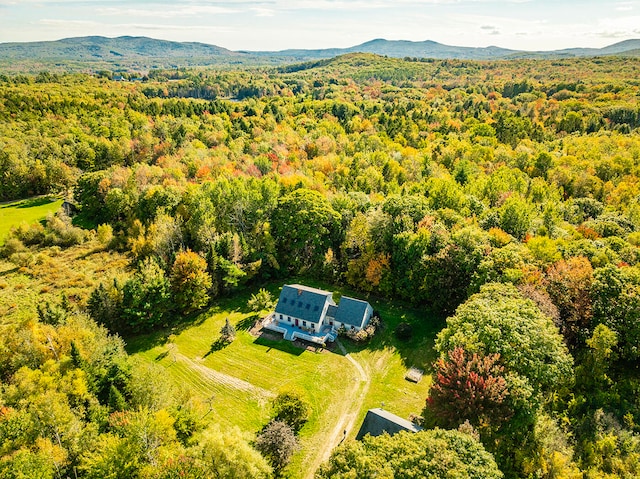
x=145, y=53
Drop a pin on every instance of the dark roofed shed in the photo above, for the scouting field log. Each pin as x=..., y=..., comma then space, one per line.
x=378, y=421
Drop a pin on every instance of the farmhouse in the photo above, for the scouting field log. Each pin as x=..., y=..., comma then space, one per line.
x=311, y=314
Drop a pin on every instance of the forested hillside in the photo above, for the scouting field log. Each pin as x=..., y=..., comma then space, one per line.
x=502, y=195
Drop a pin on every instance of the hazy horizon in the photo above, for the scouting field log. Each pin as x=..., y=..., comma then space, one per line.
x=284, y=24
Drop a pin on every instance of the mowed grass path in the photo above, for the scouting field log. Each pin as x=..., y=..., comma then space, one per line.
x=25, y=211
x=240, y=380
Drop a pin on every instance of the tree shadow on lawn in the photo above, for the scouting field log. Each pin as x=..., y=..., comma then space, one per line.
x=162, y=355
x=144, y=342
x=35, y=202
x=9, y=271
x=218, y=345
x=227, y=305
x=269, y=341
x=247, y=323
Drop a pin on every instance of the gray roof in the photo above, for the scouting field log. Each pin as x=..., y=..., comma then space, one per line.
x=303, y=302
x=378, y=421
x=331, y=311
x=351, y=311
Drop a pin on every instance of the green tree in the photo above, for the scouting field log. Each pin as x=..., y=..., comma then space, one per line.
x=432, y=454
x=261, y=301
x=291, y=408
x=497, y=319
x=114, y=458
x=105, y=306
x=304, y=226
x=515, y=217
x=615, y=294
x=145, y=298
x=228, y=332
x=27, y=464
x=228, y=455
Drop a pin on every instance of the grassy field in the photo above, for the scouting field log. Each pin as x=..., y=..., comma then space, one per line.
x=240, y=380
x=53, y=271
x=25, y=211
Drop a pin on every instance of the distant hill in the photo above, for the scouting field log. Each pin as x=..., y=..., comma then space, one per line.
x=399, y=49
x=144, y=53
x=624, y=48
x=103, y=48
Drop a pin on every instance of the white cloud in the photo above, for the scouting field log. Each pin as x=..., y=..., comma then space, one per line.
x=154, y=11
x=263, y=12
x=625, y=6
x=55, y=22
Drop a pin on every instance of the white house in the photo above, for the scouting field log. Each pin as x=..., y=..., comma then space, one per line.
x=314, y=313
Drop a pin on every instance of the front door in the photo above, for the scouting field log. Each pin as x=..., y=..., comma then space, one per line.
x=296, y=322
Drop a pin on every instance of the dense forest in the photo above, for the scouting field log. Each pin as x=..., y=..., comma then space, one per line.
x=500, y=195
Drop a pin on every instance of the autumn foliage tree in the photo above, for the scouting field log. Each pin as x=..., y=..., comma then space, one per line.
x=469, y=387
x=190, y=281
x=569, y=285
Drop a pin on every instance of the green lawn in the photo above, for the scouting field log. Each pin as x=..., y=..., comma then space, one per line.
x=241, y=379
x=25, y=211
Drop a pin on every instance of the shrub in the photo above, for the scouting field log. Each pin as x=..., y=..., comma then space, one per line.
x=362, y=335
x=60, y=231
x=23, y=259
x=404, y=331
x=292, y=409
x=105, y=234
x=11, y=247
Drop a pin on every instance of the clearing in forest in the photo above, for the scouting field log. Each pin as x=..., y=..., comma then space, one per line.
x=25, y=211
x=240, y=380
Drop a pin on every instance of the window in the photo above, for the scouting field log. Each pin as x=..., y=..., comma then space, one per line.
x=330, y=323
x=284, y=300
x=299, y=304
x=308, y=306
x=304, y=323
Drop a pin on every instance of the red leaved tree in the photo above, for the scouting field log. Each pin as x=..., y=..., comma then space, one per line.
x=469, y=387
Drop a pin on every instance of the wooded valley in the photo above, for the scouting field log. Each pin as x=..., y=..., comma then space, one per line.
x=500, y=199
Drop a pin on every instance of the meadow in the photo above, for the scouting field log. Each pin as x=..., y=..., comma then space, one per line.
x=25, y=211
x=53, y=272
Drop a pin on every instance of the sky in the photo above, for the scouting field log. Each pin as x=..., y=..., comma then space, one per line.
x=281, y=24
